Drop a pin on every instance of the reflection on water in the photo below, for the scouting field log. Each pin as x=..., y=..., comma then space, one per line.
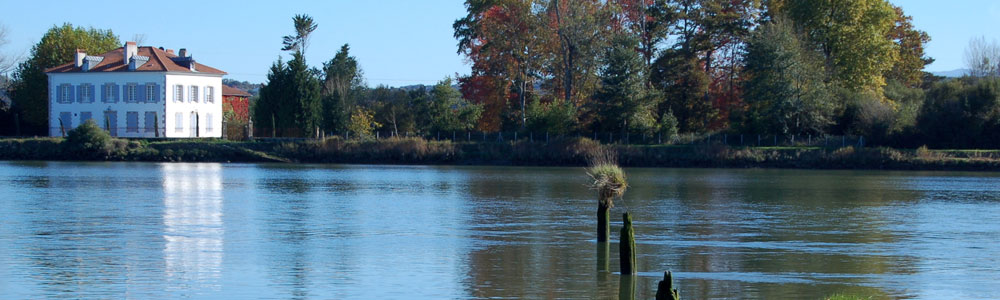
x=206, y=231
x=192, y=219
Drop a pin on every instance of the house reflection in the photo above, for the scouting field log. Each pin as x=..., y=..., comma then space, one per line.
x=193, y=228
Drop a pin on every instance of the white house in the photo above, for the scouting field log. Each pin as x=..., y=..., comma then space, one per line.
x=137, y=92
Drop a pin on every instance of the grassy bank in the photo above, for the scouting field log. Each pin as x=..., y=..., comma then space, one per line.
x=569, y=152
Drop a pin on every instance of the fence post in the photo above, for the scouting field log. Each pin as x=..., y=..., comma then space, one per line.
x=775, y=140
x=659, y=138
x=546, y=137
x=741, y=140
x=469, y=138
x=725, y=139
x=843, y=141
x=758, y=140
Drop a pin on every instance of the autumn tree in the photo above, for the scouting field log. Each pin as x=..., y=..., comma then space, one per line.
x=501, y=39
x=30, y=88
x=850, y=34
x=910, y=42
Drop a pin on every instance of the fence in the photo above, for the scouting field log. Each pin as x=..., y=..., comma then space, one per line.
x=733, y=140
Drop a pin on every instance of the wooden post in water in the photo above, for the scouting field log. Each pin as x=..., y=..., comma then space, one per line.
x=603, y=207
x=665, y=289
x=626, y=287
x=626, y=246
x=603, y=253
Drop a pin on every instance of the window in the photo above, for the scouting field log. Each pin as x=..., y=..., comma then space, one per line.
x=151, y=121
x=208, y=122
x=65, y=121
x=64, y=94
x=84, y=116
x=179, y=93
x=110, y=93
x=178, y=122
x=132, y=121
x=194, y=93
x=130, y=93
x=209, y=94
x=151, y=92
x=86, y=93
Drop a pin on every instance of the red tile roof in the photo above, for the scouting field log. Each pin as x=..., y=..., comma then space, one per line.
x=159, y=61
x=231, y=91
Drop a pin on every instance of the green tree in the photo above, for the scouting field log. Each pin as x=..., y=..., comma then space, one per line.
x=678, y=75
x=623, y=103
x=393, y=107
x=342, y=80
x=784, y=93
x=557, y=117
x=57, y=47
x=305, y=92
x=363, y=122
x=852, y=35
x=447, y=111
x=304, y=26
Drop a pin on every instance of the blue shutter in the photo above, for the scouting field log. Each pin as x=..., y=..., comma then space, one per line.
x=156, y=93
x=118, y=92
x=104, y=93
x=72, y=94
x=141, y=93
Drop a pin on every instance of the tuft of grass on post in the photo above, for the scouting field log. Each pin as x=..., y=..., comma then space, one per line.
x=609, y=181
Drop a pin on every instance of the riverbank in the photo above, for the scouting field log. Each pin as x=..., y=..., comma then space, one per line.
x=568, y=152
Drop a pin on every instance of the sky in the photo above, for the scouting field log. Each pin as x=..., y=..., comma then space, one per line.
x=397, y=42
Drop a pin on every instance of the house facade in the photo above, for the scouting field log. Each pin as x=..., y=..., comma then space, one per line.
x=237, y=101
x=137, y=92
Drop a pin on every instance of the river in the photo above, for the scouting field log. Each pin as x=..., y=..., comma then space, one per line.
x=285, y=231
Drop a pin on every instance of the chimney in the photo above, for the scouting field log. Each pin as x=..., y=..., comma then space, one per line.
x=170, y=51
x=79, y=58
x=183, y=52
x=130, y=50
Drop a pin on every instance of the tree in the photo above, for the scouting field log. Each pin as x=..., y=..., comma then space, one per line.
x=852, y=35
x=983, y=58
x=784, y=93
x=362, y=122
x=342, y=78
x=909, y=69
x=580, y=30
x=623, y=102
x=6, y=61
x=272, y=108
x=679, y=76
x=557, y=117
x=304, y=26
x=394, y=108
x=502, y=40
x=57, y=46
x=447, y=111
x=305, y=92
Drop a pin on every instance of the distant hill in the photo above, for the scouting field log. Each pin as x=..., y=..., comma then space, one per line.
x=953, y=73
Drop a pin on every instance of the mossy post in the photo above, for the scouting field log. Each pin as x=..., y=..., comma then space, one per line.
x=665, y=290
x=626, y=247
x=603, y=209
x=603, y=253
x=626, y=288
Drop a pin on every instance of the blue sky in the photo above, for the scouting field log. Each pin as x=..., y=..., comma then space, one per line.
x=397, y=42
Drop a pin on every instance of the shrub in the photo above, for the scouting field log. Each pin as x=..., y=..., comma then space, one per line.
x=89, y=141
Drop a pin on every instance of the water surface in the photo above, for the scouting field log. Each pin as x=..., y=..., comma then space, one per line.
x=278, y=231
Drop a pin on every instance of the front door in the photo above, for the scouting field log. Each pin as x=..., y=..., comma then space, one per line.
x=194, y=124
x=111, y=122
